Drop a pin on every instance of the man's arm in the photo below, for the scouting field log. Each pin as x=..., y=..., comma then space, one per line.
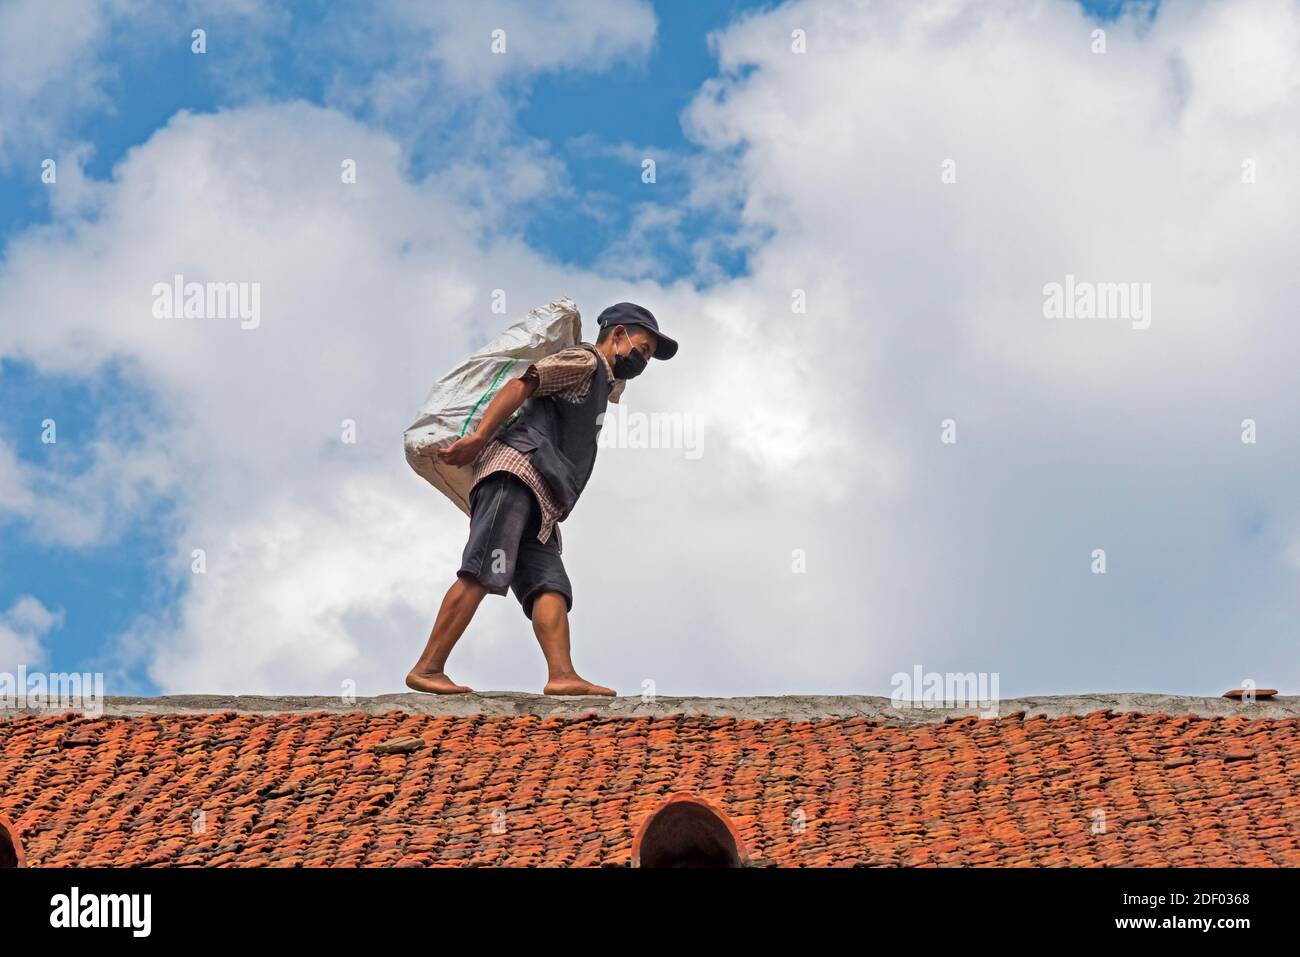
x=503, y=405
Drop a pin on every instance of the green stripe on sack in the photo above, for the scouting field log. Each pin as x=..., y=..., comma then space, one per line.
x=486, y=395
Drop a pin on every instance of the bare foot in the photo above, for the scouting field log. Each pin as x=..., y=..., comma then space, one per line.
x=435, y=682
x=572, y=684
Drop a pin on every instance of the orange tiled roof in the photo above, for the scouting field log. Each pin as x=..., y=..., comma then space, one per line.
x=311, y=789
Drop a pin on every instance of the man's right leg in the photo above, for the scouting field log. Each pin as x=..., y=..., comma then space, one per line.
x=458, y=607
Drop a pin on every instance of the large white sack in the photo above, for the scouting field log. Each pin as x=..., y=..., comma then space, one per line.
x=457, y=401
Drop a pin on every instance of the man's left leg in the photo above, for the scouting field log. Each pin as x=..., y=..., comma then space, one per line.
x=499, y=509
x=550, y=616
x=542, y=586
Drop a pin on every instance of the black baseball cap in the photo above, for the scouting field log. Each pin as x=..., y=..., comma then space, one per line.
x=630, y=314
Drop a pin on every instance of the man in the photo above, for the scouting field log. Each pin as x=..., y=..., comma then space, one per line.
x=527, y=478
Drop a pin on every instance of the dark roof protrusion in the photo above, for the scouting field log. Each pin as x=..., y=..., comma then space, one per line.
x=11, y=849
x=687, y=831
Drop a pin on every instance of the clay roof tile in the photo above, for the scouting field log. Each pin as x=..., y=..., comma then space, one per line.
x=415, y=790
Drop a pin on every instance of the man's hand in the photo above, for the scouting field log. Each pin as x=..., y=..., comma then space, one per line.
x=503, y=405
x=462, y=451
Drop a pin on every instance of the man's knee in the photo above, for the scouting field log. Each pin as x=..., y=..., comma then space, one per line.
x=548, y=606
x=470, y=584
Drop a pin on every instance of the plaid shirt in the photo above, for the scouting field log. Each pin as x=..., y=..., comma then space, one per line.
x=565, y=376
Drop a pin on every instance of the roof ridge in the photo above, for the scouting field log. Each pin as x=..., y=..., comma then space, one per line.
x=790, y=707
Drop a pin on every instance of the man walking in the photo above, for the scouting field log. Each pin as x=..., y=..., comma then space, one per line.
x=527, y=479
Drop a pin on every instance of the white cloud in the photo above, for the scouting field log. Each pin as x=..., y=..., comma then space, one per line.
x=325, y=562
x=83, y=506
x=446, y=79
x=59, y=62
x=925, y=303
x=47, y=68
x=23, y=626
x=477, y=45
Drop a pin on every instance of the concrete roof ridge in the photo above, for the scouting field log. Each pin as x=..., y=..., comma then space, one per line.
x=791, y=707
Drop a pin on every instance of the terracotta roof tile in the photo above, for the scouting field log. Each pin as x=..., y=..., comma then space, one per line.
x=321, y=789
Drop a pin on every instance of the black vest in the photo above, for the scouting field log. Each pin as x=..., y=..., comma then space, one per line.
x=559, y=436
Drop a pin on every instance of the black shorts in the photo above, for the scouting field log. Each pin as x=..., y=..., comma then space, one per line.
x=503, y=550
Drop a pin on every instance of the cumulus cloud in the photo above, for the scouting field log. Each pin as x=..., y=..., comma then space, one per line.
x=324, y=561
x=925, y=303
x=60, y=62
x=446, y=80
x=47, y=68
x=475, y=46
x=23, y=626
x=82, y=506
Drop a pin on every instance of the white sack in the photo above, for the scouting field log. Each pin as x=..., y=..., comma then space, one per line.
x=457, y=401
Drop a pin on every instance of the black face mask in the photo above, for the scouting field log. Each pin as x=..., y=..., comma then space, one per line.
x=631, y=365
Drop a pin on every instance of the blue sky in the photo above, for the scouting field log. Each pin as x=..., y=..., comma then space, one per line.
x=148, y=85
x=100, y=589
x=564, y=108
x=925, y=305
